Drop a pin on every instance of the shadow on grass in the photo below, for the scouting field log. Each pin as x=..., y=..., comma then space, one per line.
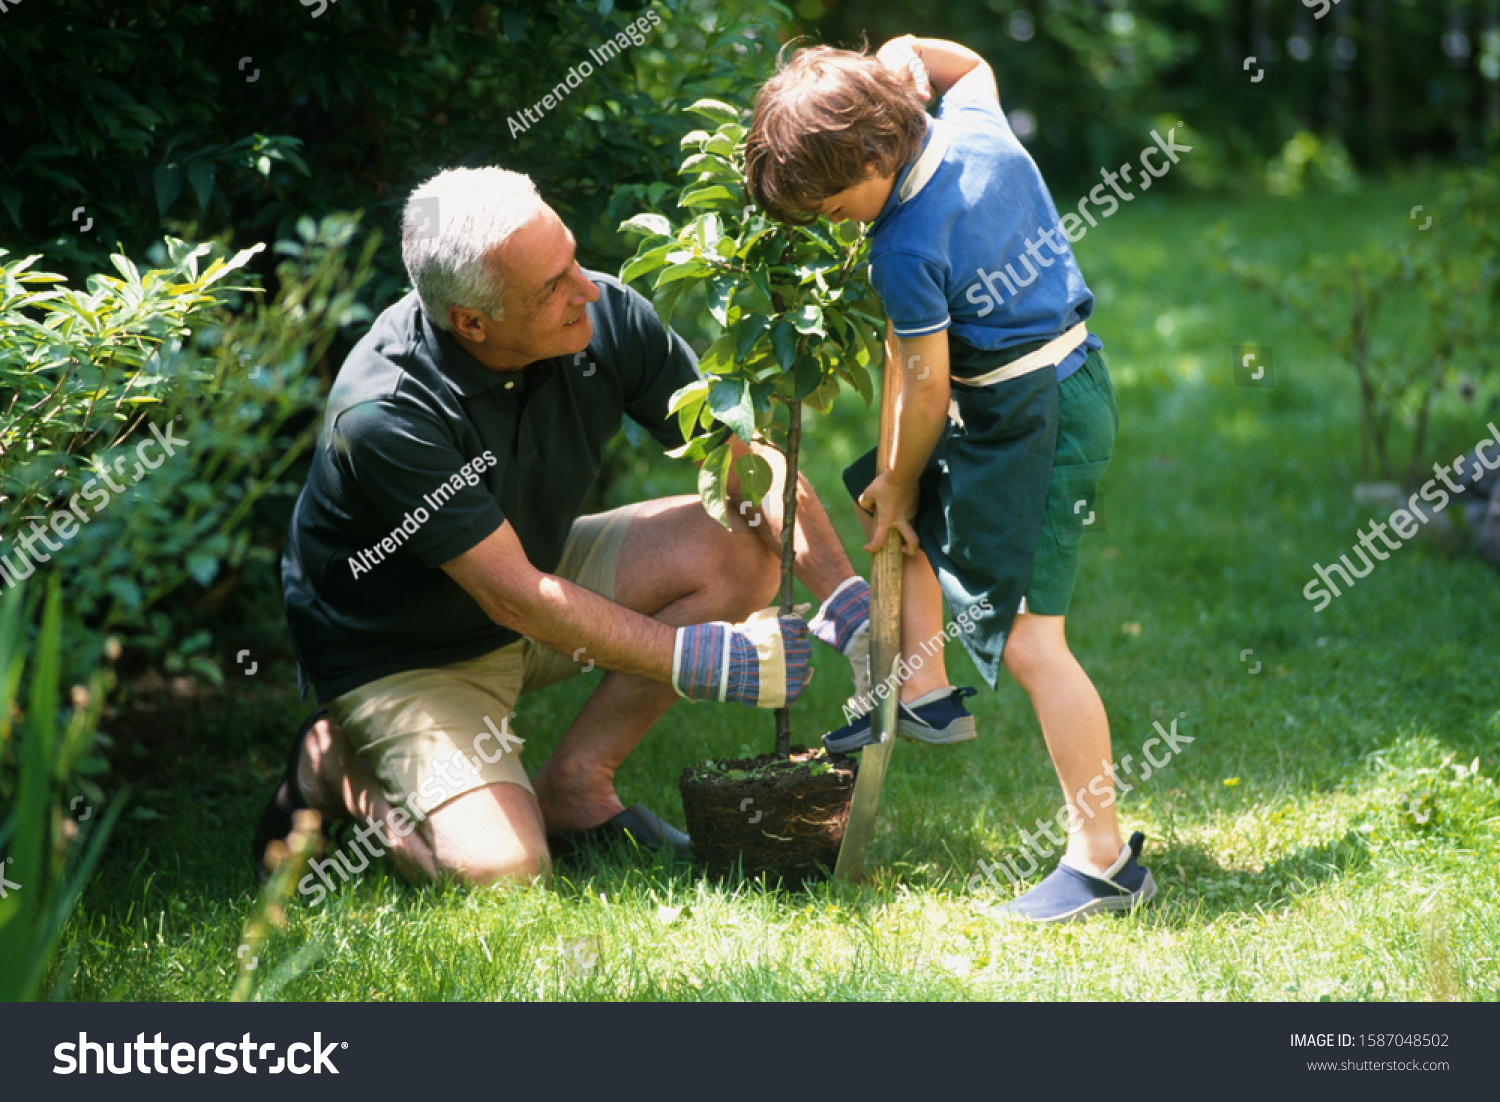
x=1194, y=887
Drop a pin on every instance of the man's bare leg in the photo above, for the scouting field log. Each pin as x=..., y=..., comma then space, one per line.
x=680, y=566
x=676, y=564
x=483, y=835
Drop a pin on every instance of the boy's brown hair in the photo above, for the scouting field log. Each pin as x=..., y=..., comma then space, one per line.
x=825, y=118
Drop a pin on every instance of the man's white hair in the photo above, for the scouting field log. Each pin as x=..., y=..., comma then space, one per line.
x=452, y=225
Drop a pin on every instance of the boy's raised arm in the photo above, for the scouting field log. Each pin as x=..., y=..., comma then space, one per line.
x=946, y=62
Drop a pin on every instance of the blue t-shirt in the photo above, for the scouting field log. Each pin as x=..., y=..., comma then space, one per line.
x=979, y=250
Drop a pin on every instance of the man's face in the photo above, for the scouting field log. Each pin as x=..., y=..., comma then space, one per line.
x=863, y=202
x=545, y=298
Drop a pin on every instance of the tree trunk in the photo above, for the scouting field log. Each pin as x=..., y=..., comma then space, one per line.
x=788, y=554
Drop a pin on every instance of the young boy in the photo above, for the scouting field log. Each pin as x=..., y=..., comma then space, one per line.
x=984, y=319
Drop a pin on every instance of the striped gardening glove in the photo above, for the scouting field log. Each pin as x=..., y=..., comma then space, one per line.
x=844, y=624
x=762, y=661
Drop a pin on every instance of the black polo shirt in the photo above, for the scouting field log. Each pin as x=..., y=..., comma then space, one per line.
x=425, y=452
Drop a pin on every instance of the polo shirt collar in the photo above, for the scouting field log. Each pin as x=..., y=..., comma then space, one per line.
x=894, y=200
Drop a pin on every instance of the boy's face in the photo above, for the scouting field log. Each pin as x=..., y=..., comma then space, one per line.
x=863, y=202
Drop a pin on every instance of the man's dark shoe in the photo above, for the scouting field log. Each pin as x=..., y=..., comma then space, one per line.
x=276, y=820
x=636, y=824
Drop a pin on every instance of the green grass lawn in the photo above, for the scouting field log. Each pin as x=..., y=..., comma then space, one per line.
x=1323, y=836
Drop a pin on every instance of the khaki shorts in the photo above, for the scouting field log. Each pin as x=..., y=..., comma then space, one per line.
x=433, y=734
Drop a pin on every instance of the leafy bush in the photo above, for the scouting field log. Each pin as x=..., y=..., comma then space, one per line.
x=98, y=377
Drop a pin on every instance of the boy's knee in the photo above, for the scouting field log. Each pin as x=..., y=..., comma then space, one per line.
x=1030, y=653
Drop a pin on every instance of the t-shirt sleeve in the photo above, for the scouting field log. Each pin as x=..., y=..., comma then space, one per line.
x=655, y=364
x=433, y=500
x=969, y=95
x=911, y=292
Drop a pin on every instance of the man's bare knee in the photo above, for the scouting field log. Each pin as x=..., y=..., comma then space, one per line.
x=744, y=573
x=521, y=870
x=489, y=835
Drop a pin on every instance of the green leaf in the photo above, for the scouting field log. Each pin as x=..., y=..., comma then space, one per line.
x=747, y=332
x=654, y=225
x=710, y=195
x=201, y=177
x=729, y=400
x=665, y=300
x=685, y=270
x=807, y=376
x=809, y=319
x=755, y=476
x=784, y=342
x=648, y=261
x=713, y=484
x=709, y=166
x=823, y=398
x=167, y=180
x=719, y=358
x=716, y=111
x=203, y=568
x=719, y=291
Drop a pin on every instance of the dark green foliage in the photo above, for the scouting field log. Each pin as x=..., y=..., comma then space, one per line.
x=146, y=114
x=90, y=381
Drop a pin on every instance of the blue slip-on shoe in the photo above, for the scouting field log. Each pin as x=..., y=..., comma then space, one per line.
x=939, y=719
x=1067, y=894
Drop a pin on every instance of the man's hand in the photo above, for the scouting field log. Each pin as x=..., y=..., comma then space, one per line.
x=762, y=662
x=844, y=624
x=903, y=56
x=893, y=503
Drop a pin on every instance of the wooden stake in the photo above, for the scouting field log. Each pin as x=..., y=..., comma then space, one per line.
x=885, y=649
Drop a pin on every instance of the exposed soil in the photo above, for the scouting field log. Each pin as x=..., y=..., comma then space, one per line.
x=769, y=816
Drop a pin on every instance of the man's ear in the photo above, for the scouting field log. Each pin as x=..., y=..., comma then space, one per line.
x=466, y=323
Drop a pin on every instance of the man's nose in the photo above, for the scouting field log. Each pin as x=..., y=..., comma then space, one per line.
x=587, y=291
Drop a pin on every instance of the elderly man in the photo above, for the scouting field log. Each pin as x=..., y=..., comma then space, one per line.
x=437, y=566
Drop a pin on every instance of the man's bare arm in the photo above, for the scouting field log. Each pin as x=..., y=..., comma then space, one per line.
x=557, y=613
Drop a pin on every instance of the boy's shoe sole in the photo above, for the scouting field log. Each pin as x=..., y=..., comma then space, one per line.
x=911, y=726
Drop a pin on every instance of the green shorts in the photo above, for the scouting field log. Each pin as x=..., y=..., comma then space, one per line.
x=1087, y=422
x=1007, y=495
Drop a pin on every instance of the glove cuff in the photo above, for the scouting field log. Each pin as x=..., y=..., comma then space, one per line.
x=843, y=614
x=700, y=661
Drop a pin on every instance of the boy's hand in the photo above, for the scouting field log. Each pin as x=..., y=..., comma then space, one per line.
x=903, y=56
x=893, y=503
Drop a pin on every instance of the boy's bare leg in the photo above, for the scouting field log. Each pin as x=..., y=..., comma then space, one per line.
x=1075, y=727
x=921, y=622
